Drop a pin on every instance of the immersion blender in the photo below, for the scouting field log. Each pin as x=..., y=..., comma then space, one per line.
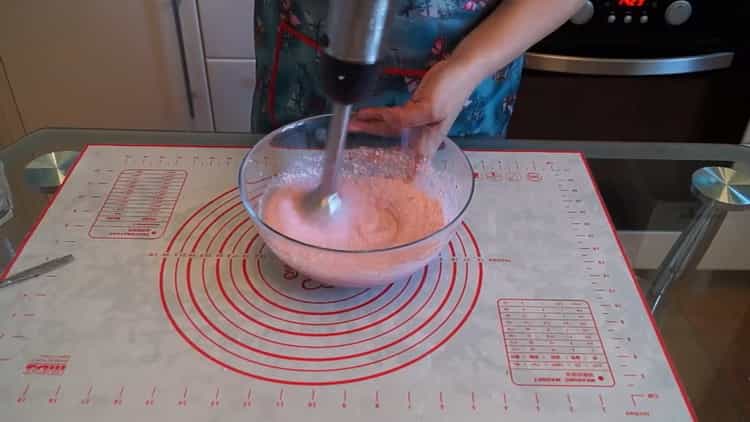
x=349, y=71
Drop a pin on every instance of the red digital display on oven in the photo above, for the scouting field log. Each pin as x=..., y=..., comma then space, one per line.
x=631, y=3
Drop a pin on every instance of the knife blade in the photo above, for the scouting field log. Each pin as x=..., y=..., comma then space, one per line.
x=36, y=270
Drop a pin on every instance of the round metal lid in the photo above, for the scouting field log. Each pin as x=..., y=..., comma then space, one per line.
x=49, y=170
x=725, y=186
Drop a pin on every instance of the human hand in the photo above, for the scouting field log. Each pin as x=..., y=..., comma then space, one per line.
x=429, y=114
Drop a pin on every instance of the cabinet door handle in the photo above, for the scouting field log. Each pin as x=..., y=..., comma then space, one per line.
x=183, y=59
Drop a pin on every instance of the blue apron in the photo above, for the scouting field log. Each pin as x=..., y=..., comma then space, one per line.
x=287, y=45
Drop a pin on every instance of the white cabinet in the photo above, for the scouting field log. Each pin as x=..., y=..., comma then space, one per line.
x=232, y=82
x=105, y=64
x=228, y=28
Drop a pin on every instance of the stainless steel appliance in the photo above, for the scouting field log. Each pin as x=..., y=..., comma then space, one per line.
x=643, y=37
x=647, y=70
x=349, y=69
x=642, y=70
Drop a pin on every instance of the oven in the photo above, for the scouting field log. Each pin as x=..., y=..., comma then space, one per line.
x=645, y=70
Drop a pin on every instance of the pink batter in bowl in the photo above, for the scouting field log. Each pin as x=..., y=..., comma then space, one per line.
x=292, y=156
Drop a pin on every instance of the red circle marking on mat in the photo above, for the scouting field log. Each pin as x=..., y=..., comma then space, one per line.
x=314, y=302
x=205, y=230
x=329, y=334
x=222, y=227
x=429, y=298
x=366, y=326
x=318, y=324
x=296, y=311
x=220, y=285
x=349, y=380
x=182, y=227
x=225, y=212
x=300, y=346
x=200, y=312
x=399, y=325
x=275, y=355
x=194, y=248
x=281, y=378
x=252, y=305
x=300, y=358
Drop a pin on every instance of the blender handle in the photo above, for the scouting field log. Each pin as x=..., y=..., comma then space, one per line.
x=355, y=30
x=183, y=60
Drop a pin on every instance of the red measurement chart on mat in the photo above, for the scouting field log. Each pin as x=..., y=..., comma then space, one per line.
x=530, y=312
x=553, y=343
x=140, y=204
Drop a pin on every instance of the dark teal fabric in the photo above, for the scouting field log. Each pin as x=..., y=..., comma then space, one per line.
x=423, y=32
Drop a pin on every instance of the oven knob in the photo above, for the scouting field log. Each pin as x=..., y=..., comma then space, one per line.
x=584, y=14
x=678, y=12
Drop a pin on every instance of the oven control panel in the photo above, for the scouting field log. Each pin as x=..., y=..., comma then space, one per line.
x=640, y=31
x=635, y=12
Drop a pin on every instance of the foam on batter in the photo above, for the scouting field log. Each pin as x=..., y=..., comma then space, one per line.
x=378, y=212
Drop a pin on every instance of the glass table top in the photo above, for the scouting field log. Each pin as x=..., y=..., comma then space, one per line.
x=705, y=315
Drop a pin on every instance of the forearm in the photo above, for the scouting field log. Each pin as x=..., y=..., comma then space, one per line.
x=513, y=27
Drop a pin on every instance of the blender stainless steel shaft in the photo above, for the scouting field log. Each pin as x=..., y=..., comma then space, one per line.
x=355, y=30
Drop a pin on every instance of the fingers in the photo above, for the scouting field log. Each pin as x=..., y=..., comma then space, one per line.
x=390, y=121
x=412, y=114
x=416, y=122
x=373, y=124
x=374, y=113
x=425, y=141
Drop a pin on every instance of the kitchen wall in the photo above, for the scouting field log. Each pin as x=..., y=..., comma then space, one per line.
x=11, y=126
x=151, y=64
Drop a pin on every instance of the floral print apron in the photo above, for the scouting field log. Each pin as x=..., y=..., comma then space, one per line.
x=288, y=34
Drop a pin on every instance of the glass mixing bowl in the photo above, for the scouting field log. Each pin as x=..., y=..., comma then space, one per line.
x=296, y=150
